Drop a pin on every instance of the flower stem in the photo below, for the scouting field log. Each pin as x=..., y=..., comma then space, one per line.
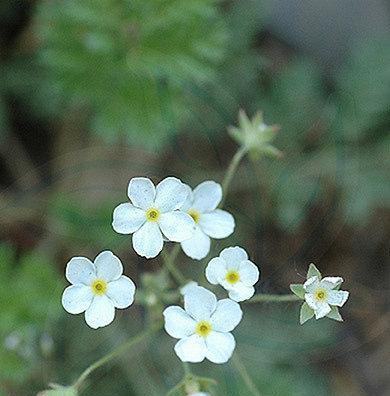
x=273, y=298
x=245, y=375
x=169, y=263
x=113, y=354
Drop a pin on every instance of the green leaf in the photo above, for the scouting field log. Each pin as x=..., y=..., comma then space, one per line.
x=298, y=290
x=305, y=314
x=313, y=271
x=335, y=314
x=59, y=391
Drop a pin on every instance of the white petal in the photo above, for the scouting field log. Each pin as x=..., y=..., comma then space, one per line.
x=80, y=270
x=191, y=349
x=108, y=266
x=121, y=292
x=188, y=287
x=178, y=323
x=227, y=316
x=77, y=298
x=198, y=246
x=311, y=284
x=177, y=226
x=220, y=347
x=217, y=224
x=171, y=194
x=141, y=192
x=233, y=256
x=207, y=196
x=249, y=273
x=127, y=218
x=216, y=270
x=337, y=297
x=100, y=313
x=322, y=310
x=240, y=292
x=189, y=200
x=200, y=303
x=148, y=240
x=311, y=301
x=330, y=282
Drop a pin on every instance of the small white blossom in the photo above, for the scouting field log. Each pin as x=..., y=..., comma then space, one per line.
x=321, y=294
x=210, y=222
x=97, y=288
x=199, y=394
x=188, y=287
x=153, y=215
x=203, y=326
x=235, y=272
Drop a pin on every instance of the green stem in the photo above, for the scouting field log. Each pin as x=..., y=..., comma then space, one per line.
x=245, y=375
x=112, y=355
x=169, y=263
x=238, y=156
x=273, y=298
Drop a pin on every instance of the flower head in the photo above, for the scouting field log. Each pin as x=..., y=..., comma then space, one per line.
x=203, y=326
x=210, y=222
x=232, y=270
x=97, y=288
x=153, y=215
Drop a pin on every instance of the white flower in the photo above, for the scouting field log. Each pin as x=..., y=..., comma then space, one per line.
x=187, y=287
x=97, y=288
x=153, y=214
x=201, y=205
x=203, y=326
x=234, y=272
x=199, y=394
x=320, y=295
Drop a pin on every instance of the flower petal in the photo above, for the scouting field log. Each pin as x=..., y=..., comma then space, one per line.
x=121, y=292
x=127, y=218
x=171, y=194
x=191, y=349
x=178, y=323
x=220, y=347
x=189, y=200
x=233, y=257
x=216, y=270
x=311, y=284
x=198, y=246
x=200, y=303
x=77, y=298
x=108, y=266
x=177, y=226
x=311, y=301
x=207, y=196
x=337, y=297
x=217, y=224
x=330, y=282
x=249, y=273
x=148, y=240
x=240, y=292
x=80, y=270
x=322, y=310
x=100, y=313
x=227, y=316
x=141, y=192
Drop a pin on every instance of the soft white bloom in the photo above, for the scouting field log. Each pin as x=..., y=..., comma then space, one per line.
x=203, y=326
x=188, y=287
x=199, y=394
x=201, y=204
x=97, y=288
x=320, y=295
x=234, y=272
x=153, y=215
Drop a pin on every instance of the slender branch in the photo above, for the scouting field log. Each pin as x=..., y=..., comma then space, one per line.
x=116, y=352
x=169, y=264
x=245, y=375
x=273, y=298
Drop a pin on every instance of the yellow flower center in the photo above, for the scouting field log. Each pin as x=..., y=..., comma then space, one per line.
x=99, y=287
x=232, y=277
x=320, y=295
x=194, y=214
x=152, y=214
x=203, y=328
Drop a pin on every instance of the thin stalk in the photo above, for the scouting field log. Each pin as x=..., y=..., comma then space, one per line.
x=245, y=375
x=113, y=354
x=169, y=264
x=273, y=298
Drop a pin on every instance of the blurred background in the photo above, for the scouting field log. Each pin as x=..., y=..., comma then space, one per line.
x=94, y=92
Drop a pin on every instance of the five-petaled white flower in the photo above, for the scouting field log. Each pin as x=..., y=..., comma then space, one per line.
x=203, y=326
x=234, y=272
x=153, y=214
x=97, y=288
x=201, y=204
x=320, y=295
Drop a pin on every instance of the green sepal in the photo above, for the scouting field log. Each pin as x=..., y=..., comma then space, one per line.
x=313, y=271
x=305, y=314
x=335, y=314
x=298, y=290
